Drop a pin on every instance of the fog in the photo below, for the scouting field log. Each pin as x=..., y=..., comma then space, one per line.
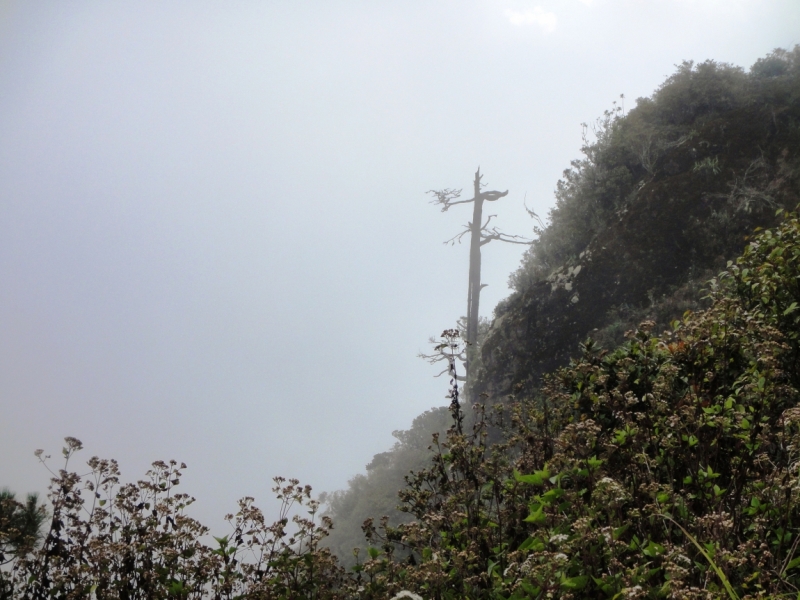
x=215, y=239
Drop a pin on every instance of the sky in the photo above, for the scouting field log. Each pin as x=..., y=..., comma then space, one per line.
x=215, y=240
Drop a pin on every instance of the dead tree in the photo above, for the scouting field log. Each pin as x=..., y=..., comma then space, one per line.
x=480, y=235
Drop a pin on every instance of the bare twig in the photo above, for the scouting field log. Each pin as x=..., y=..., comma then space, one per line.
x=458, y=236
x=494, y=234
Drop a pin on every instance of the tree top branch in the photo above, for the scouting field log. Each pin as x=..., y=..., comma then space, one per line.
x=447, y=198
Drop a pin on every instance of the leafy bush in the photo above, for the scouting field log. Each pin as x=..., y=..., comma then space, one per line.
x=135, y=540
x=666, y=468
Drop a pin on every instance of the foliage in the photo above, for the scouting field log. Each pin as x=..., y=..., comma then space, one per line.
x=20, y=525
x=374, y=493
x=136, y=541
x=666, y=468
x=688, y=129
x=663, y=196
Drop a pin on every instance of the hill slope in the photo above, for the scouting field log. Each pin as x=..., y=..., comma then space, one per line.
x=662, y=198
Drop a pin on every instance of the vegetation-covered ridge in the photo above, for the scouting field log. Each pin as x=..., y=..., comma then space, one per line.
x=663, y=196
x=666, y=468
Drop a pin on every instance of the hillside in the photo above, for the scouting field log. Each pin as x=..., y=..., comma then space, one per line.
x=663, y=197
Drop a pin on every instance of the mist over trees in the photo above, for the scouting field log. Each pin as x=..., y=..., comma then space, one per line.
x=664, y=195
x=634, y=423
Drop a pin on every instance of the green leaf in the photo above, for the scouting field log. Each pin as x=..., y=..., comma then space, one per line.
x=792, y=564
x=537, y=478
x=575, y=583
x=792, y=307
x=537, y=515
x=527, y=544
x=594, y=462
x=531, y=590
x=653, y=549
x=492, y=565
x=551, y=495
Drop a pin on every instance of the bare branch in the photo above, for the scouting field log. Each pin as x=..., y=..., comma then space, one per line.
x=447, y=198
x=494, y=234
x=448, y=370
x=531, y=212
x=441, y=353
x=459, y=202
x=440, y=356
x=747, y=194
x=458, y=236
x=483, y=228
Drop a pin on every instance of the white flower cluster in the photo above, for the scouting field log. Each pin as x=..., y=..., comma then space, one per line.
x=407, y=594
x=609, y=492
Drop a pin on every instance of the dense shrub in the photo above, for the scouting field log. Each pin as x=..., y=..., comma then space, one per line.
x=666, y=468
x=135, y=541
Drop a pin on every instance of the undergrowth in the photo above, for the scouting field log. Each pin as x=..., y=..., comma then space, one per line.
x=665, y=468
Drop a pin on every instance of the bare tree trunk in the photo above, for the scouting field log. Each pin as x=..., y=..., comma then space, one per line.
x=474, y=288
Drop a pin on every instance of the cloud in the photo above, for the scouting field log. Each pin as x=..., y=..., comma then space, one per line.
x=535, y=16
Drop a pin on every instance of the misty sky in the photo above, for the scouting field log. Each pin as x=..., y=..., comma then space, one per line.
x=215, y=242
